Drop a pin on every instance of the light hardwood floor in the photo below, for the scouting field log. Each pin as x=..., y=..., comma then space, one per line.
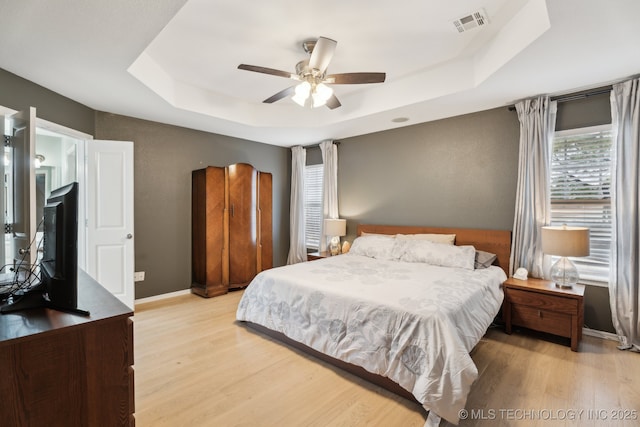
x=195, y=366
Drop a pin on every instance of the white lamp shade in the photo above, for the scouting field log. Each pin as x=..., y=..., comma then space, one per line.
x=565, y=241
x=302, y=92
x=335, y=227
x=321, y=95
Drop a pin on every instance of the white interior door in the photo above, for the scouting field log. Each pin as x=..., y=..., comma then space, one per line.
x=23, y=240
x=110, y=241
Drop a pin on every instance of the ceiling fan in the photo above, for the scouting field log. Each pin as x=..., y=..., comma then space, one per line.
x=312, y=91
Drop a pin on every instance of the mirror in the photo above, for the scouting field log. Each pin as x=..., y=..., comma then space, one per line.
x=55, y=165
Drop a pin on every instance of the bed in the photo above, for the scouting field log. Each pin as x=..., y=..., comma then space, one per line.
x=403, y=309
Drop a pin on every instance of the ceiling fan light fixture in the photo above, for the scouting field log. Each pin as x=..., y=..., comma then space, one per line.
x=312, y=91
x=303, y=90
x=321, y=95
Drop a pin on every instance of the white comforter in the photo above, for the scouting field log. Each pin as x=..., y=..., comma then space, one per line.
x=412, y=322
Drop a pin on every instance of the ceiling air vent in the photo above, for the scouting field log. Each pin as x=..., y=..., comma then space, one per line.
x=476, y=19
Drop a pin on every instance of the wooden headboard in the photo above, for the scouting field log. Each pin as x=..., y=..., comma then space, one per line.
x=495, y=241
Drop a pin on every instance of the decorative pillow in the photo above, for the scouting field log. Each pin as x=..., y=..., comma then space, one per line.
x=484, y=259
x=375, y=246
x=437, y=238
x=441, y=254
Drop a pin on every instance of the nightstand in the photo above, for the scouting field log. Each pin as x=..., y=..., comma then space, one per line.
x=541, y=306
x=311, y=256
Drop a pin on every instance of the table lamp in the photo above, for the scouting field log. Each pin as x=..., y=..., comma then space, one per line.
x=335, y=228
x=564, y=242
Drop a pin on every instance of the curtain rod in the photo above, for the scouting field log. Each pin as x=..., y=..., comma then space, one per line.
x=318, y=145
x=582, y=95
x=576, y=96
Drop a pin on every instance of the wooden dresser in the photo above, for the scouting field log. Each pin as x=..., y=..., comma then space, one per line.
x=541, y=306
x=231, y=227
x=61, y=369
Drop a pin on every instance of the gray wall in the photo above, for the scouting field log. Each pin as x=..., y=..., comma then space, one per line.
x=458, y=172
x=164, y=157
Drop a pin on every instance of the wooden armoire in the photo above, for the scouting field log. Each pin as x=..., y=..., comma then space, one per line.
x=231, y=235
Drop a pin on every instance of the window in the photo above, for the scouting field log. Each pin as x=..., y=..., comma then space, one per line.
x=580, y=193
x=313, y=204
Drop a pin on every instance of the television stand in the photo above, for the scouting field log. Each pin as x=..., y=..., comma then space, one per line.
x=61, y=370
x=36, y=298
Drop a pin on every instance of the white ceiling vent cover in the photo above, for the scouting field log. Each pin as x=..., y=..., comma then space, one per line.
x=476, y=19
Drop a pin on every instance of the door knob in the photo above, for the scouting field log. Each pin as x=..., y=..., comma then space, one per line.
x=23, y=251
x=129, y=236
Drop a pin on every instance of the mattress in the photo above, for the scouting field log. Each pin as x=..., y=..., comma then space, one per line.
x=412, y=322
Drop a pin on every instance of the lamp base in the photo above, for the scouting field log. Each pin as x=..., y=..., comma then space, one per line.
x=334, y=246
x=564, y=273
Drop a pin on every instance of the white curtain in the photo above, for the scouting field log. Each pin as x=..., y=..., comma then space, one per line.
x=625, y=200
x=329, y=186
x=297, y=243
x=537, y=124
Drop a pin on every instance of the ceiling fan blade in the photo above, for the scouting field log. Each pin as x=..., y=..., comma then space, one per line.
x=282, y=94
x=333, y=102
x=322, y=53
x=355, y=78
x=265, y=70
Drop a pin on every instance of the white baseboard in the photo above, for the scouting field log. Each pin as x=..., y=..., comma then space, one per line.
x=600, y=334
x=162, y=296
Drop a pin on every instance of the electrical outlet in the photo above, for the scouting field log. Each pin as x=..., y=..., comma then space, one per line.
x=138, y=276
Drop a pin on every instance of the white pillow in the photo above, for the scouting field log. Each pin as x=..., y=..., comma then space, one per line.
x=438, y=238
x=375, y=246
x=440, y=254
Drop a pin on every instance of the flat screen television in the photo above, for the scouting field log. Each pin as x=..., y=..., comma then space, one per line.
x=58, y=287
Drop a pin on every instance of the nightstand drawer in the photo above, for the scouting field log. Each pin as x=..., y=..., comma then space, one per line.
x=541, y=320
x=543, y=301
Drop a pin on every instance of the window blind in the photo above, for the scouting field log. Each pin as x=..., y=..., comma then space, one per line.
x=313, y=204
x=580, y=193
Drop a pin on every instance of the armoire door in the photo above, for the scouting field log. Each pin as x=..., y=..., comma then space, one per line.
x=265, y=240
x=242, y=181
x=209, y=250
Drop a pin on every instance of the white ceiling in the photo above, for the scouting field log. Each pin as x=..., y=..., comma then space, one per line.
x=175, y=61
